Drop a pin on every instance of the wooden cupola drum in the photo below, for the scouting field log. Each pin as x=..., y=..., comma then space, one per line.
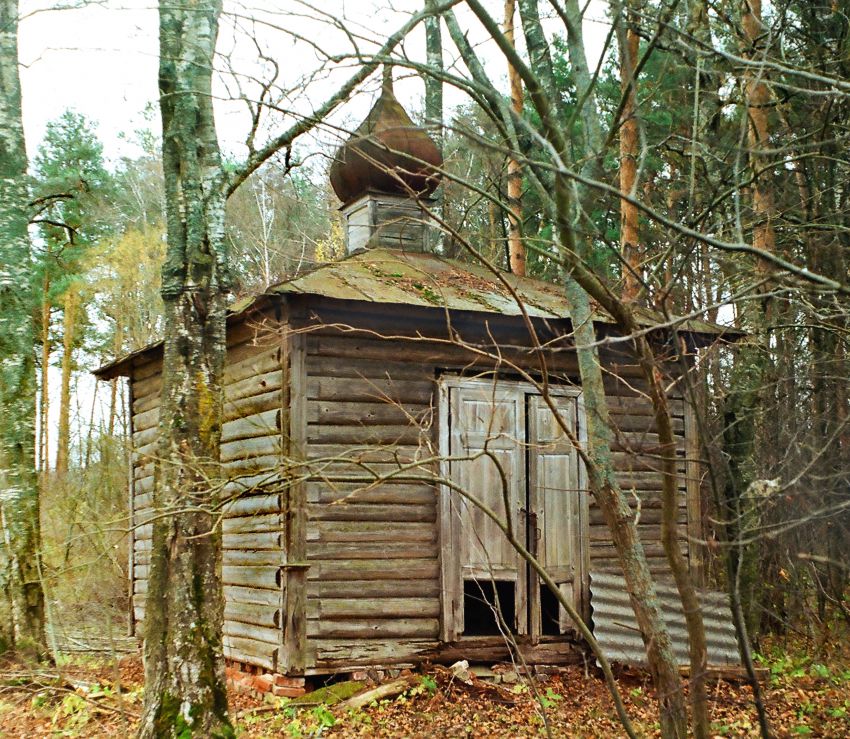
x=384, y=174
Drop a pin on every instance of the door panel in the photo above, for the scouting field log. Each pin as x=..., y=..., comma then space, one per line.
x=529, y=456
x=487, y=432
x=555, y=495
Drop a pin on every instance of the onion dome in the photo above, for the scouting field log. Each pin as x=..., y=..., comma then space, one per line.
x=388, y=153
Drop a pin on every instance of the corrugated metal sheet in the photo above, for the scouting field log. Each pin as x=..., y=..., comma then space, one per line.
x=615, y=627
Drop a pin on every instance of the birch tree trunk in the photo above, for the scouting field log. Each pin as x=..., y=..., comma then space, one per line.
x=185, y=692
x=19, y=498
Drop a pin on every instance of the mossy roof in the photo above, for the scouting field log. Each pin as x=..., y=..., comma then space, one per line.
x=431, y=281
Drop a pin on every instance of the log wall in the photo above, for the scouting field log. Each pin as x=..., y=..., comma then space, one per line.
x=251, y=517
x=370, y=590
x=373, y=580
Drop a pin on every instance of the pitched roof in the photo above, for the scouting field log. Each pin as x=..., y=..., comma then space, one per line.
x=429, y=280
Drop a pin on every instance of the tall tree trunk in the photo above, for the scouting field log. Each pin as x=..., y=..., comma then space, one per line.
x=516, y=249
x=434, y=97
x=629, y=232
x=18, y=480
x=63, y=436
x=44, y=385
x=118, y=342
x=185, y=691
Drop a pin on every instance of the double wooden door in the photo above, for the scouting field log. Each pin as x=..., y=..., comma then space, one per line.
x=512, y=466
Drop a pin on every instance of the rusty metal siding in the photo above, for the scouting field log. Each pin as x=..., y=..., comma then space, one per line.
x=616, y=630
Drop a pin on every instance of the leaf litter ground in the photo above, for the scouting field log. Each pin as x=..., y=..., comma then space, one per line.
x=89, y=696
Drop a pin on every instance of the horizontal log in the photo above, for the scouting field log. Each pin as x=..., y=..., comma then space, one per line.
x=250, y=386
x=249, y=485
x=249, y=524
x=251, y=405
x=146, y=403
x=643, y=423
x=253, y=596
x=264, y=359
x=402, y=493
x=140, y=471
x=250, y=505
x=252, y=557
x=265, y=634
x=259, y=329
x=348, y=455
x=143, y=487
x=146, y=420
x=144, y=437
x=644, y=481
x=367, y=414
x=376, y=390
x=332, y=653
x=252, y=613
x=368, y=367
x=640, y=405
x=363, y=550
x=258, y=424
x=389, y=435
x=150, y=385
x=147, y=453
x=376, y=608
x=253, y=540
x=141, y=517
x=250, y=651
x=372, y=512
x=253, y=466
x=258, y=577
x=378, y=589
x=371, y=531
x=629, y=461
x=145, y=367
x=374, y=569
x=374, y=628
x=650, y=517
x=260, y=446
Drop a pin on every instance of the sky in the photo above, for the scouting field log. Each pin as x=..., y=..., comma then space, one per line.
x=101, y=59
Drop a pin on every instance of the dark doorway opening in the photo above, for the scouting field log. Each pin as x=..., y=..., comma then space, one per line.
x=549, y=612
x=489, y=607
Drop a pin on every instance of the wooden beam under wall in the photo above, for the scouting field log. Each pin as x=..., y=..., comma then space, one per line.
x=293, y=652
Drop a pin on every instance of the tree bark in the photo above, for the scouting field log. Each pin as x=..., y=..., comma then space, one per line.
x=629, y=232
x=516, y=249
x=434, y=97
x=18, y=480
x=44, y=385
x=63, y=436
x=185, y=692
